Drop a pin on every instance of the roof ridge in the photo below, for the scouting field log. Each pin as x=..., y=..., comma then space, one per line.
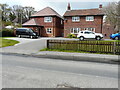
x=85, y=9
x=46, y=12
x=93, y=11
x=54, y=11
x=29, y=21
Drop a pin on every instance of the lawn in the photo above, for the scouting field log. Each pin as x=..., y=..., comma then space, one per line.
x=6, y=42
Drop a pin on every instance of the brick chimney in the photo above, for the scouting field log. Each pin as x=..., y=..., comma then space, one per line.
x=68, y=8
x=100, y=6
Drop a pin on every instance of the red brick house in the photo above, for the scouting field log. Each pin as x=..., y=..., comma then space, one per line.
x=83, y=19
x=47, y=22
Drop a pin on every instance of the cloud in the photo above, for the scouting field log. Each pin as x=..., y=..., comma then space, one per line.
x=59, y=5
x=38, y=4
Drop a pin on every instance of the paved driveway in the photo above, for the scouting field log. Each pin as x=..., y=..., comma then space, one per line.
x=26, y=46
x=29, y=46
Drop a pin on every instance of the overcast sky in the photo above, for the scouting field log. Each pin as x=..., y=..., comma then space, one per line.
x=59, y=5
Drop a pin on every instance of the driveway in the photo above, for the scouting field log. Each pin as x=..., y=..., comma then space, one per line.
x=26, y=46
x=30, y=46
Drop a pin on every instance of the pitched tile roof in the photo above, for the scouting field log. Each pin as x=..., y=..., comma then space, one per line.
x=31, y=22
x=46, y=12
x=83, y=12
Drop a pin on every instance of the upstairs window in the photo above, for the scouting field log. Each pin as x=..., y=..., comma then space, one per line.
x=75, y=30
x=89, y=18
x=75, y=19
x=47, y=19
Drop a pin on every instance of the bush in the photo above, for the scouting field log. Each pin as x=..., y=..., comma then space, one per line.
x=71, y=36
x=7, y=33
x=6, y=23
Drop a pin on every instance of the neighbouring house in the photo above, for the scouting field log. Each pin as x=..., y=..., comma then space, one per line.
x=47, y=22
x=83, y=19
x=108, y=29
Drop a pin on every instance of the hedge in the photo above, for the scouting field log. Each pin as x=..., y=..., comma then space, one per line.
x=7, y=33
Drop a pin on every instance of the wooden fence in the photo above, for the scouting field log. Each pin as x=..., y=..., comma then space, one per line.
x=85, y=46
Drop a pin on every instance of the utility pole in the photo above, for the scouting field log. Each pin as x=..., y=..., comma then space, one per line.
x=21, y=17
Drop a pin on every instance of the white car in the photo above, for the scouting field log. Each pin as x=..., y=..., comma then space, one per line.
x=89, y=35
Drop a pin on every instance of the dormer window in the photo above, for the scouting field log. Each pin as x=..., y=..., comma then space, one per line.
x=47, y=19
x=75, y=19
x=89, y=18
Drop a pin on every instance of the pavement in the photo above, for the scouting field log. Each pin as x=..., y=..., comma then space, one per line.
x=32, y=46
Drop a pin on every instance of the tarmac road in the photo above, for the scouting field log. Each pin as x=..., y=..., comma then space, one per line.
x=19, y=71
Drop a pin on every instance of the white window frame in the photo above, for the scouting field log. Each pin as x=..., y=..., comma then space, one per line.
x=89, y=18
x=47, y=19
x=49, y=30
x=75, y=19
x=90, y=28
x=73, y=30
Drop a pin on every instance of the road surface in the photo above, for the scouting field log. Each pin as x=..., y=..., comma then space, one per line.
x=19, y=71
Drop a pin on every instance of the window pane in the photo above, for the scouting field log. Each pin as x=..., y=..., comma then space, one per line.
x=47, y=19
x=72, y=30
x=89, y=18
x=74, y=19
x=75, y=30
x=49, y=30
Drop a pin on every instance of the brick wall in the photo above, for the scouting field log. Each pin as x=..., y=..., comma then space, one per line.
x=107, y=30
x=57, y=27
x=97, y=23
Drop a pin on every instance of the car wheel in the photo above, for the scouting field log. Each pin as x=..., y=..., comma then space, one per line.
x=19, y=36
x=98, y=38
x=81, y=38
x=116, y=38
x=31, y=37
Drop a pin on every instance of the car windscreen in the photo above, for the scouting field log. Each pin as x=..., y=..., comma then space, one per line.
x=20, y=29
x=89, y=33
x=30, y=30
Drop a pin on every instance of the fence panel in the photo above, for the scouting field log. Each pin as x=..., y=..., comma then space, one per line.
x=86, y=46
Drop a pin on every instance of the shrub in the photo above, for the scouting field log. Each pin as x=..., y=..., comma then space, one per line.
x=71, y=36
x=7, y=33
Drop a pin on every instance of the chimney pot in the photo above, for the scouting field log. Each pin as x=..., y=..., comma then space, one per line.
x=68, y=8
x=100, y=6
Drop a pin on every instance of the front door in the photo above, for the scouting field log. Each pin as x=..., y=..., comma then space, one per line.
x=38, y=30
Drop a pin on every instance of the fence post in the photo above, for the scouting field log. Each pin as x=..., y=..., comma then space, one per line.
x=114, y=47
x=48, y=44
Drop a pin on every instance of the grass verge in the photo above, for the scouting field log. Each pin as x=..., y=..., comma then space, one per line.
x=71, y=51
x=6, y=42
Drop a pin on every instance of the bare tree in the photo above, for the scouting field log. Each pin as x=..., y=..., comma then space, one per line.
x=18, y=11
x=28, y=11
x=5, y=9
x=22, y=13
x=112, y=12
x=118, y=17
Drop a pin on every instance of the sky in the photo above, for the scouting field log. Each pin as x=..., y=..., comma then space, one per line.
x=59, y=5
